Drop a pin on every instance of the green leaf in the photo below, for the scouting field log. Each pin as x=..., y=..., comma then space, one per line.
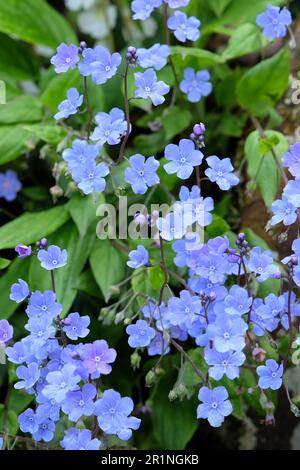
x=174, y=424
x=206, y=57
x=255, y=240
x=218, y=226
x=36, y=22
x=218, y=6
x=30, y=227
x=156, y=277
x=244, y=40
x=13, y=141
x=108, y=265
x=4, y=263
x=17, y=61
x=141, y=285
x=83, y=210
x=17, y=270
x=263, y=85
x=86, y=283
x=8, y=421
x=49, y=133
x=262, y=168
x=175, y=121
x=21, y=109
x=19, y=400
x=57, y=89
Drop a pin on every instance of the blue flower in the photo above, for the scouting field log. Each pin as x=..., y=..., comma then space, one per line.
x=75, y=326
x=177, y=3
x=28, y=422
x=284, y=211
x=237, y=302
x=270, y=375
x=80, y=153
x=156, y=56
x=90, y=177
x=140, y=334
x=113, y=414
x=138, y=258
x=100, y=64
x=274, y=21
x=266, y=316
x=183, y=311
x=227, y=363
x=80, y=403
x=97, y=358
x=220, y=172
x=60, y=382
x=227, y=334
x=292, y=192
x=66, y=58
x=196, y=84
x=52, y=258
x=294, y=307
x=148, y=87
x=41, y=329
x=43, y=304
x=291, y=160
x=199, y=207
x=110, y=127
x=186, y=249
x=19, y=291
x=18, y=353
x=79, y=439
x=158, y=346
x=9, y=185
x=6, y=332
x=45, y=431
x=184, y=157
x=29, y=376
x=212, y=267
x=23, y=251
x=142, y=173
x=1, y=443
x=142, y=9
x=215, y=406
x=150, y=310
x=184, y=28
x=261, y=264
x=70, y=105
x=172, y=226
x=47, y=408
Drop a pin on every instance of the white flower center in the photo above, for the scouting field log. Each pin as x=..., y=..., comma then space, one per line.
x=226, y=335
x=214, y=405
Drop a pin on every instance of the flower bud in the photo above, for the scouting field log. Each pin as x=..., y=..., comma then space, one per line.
x=23, y=251
x=150, y=378
x=259, y=354
x=131, y=56
x=199, y=129
x=135, y=360
x=172, y=395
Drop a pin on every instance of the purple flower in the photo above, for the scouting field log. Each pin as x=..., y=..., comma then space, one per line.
x=177, y=3
x=60, y=382
x=148, y=87
x=23, y=251
x=142, y=9
x=158, y=346
x=142, y=173
x=79, y=439
x=215, y=406
x=284, y=211
x=52, y=258
x=110, y=127
x=9, y=185
x=184, y=28
x=291, y=160
x=138, y=258
x=274, y=21
x=29, y=376
x=80, y=403
x=28, y=422
x=184, y=157
x=45, y=431
x=261, y=264
x=227, y=334
x=43, y=304
x=97, y=357
x=100, y=64
x=227, y=363
x=156, y=56
x=237, y=302
x=75, y=326
x=140, y=334
x=6, y=331
x=220, y=172
x=80, y=153
x=270, y=375
x=196, y=84
x=19, y=291
x=70, y=105
x=66, y=58
x=113, y=414
x=90, y=177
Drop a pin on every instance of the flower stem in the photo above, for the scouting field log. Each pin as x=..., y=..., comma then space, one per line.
x=127, y=115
